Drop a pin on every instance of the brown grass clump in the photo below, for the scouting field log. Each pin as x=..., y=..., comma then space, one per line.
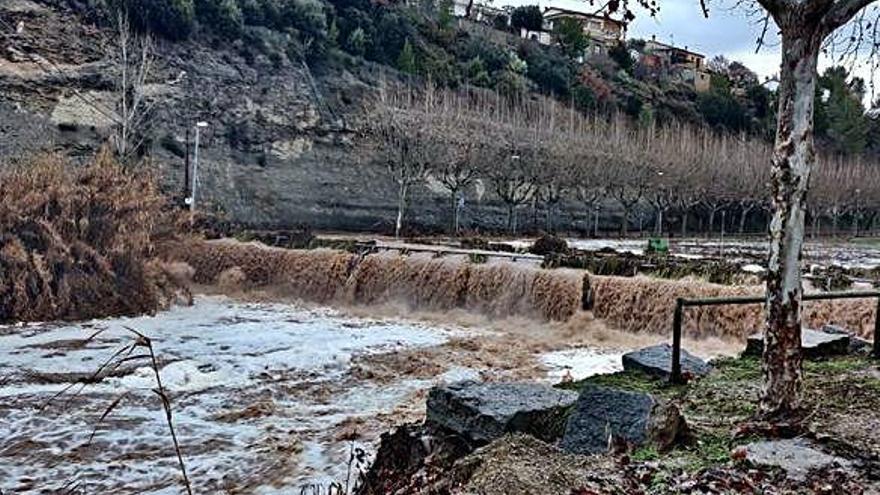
x=642, y=304
x=76, y=242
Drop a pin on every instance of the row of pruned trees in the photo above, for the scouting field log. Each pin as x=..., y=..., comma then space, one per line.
x=539, y=154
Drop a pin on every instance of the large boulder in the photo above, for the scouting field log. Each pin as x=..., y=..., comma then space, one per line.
x=657, y=361
x=482, y=412
x=610, y=419
x=857, y=345
x=797, y=457
x=815, y=344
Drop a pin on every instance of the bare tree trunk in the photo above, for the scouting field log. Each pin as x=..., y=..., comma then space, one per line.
x=744, y=214
x=659, y=227
x=401, y=207
x=511, y=221
x=793, y=159
x=684, y=223
x=454, y=201
x=711, y=221
x=624, y=222
x=596, y=222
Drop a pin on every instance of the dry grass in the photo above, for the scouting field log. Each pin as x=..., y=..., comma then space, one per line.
x=76, y=242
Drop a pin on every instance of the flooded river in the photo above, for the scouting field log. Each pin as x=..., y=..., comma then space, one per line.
x=266, y=398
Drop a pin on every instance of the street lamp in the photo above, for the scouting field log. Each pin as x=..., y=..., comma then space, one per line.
x=192, y=200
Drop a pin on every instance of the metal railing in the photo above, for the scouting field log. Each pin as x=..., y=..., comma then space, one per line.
x=681, y=303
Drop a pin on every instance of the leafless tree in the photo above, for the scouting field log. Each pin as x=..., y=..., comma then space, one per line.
x=513, y=178
x=132, y=66
x=399, y=132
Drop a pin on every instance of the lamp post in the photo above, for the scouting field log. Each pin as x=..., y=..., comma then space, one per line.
x=659, y=226
x=195, y=173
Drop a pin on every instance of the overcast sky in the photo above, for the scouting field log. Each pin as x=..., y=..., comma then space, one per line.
x=727, y=31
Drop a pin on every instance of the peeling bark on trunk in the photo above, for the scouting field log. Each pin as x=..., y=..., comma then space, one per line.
x=793, y=159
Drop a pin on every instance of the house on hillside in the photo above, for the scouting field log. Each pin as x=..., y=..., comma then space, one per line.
x=679, y=63
x=602, y=32
x=480, y=11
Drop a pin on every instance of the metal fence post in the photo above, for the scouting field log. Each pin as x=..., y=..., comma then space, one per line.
x=877, y=331
x=675, y=376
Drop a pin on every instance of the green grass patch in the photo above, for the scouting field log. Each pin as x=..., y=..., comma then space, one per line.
x=835, y=366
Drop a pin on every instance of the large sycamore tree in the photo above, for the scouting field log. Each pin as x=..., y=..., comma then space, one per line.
x=806, y=28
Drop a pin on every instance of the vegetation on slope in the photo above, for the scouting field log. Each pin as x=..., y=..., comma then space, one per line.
x=76, y=242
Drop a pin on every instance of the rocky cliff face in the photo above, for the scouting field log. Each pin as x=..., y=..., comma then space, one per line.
x=280, y=146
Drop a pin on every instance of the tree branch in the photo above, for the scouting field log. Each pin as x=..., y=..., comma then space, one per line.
x=841, y=12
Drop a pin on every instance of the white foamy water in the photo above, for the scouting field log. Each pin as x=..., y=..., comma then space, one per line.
x=257, y=390
x=264, y=397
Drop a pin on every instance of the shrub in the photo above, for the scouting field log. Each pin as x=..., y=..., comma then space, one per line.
x=223, y=17
x=492, y=56
x=77, y=242
x=549, y=244
x=406, y=61
x=527, y=17
x=172, y=19
x=550, y=70
x=307, y=16
x=620, y=54
x=356, y=42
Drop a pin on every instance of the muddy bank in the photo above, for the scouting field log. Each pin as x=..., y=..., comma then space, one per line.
x=421, y=282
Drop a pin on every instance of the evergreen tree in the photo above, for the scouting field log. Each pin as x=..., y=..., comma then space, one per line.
x=527, y=17
x=569, y=33
x=406, y=61
x=444, y=18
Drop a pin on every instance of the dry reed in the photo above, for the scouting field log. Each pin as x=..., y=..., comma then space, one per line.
x=76, y=242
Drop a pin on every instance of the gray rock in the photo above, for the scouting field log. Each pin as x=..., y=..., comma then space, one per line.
x=606, y=418
x=815, y=344
x=797, y=457
x=482, y=412
x=857, y=345
x=657, y=361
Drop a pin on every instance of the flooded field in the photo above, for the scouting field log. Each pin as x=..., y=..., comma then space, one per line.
x=820, y=252
x=266, y=397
